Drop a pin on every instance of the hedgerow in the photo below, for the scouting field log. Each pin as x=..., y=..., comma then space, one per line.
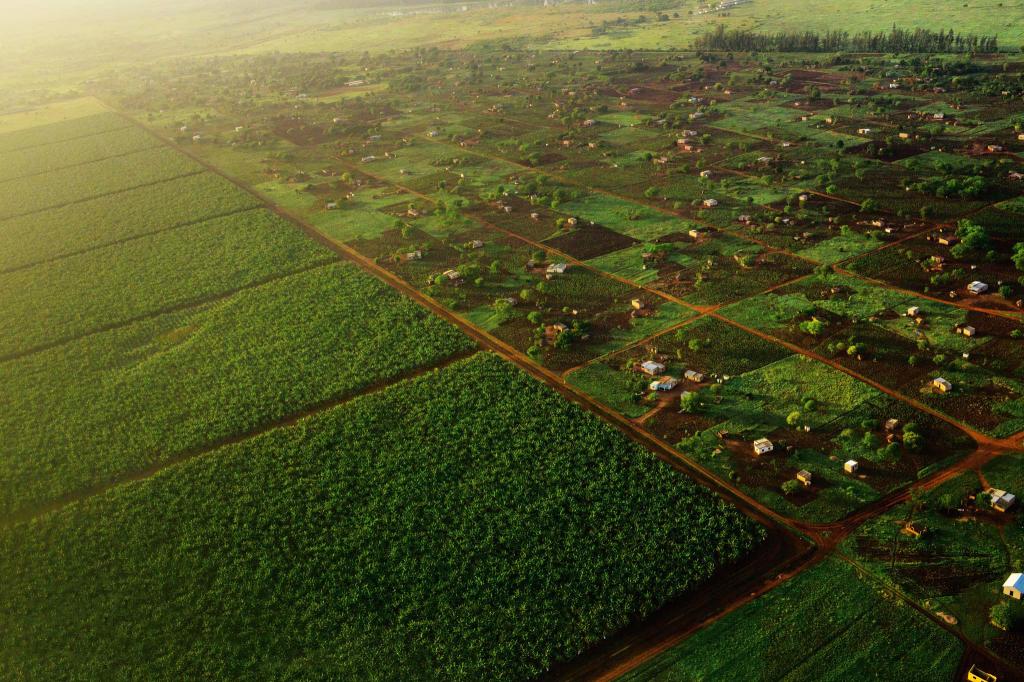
x=466, y=525
x=85, y=412
x=79, y=294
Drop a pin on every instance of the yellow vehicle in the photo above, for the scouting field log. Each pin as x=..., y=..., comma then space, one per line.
x=976, y=674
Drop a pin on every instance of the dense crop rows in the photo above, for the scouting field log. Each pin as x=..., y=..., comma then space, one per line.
x=467, y=525
x=118, y=401
x=49, y=157
x=60, y=131
x=62, y=231
x=79, y=294
x=57, y=188
x=826, y=624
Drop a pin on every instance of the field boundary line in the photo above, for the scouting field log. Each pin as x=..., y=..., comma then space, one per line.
x=69, y=139
x=100, y=195
x=77, y=164
x=285, y=421
x=178, y=307
x=124, y=240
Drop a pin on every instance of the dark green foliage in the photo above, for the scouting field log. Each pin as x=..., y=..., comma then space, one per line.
x=147, y=392
x=467, y=525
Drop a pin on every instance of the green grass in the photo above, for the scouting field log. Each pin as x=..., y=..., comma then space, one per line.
x=828, y=623
x=484, y=529
x=613, y=387
x=147, y=392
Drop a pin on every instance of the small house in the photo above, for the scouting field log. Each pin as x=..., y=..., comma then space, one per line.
x=693, y=375
x=966, y=330
x=553, y=331
x=696, y=233
x=904, y=136
x=891, y=424
x=637, y=304
x=1001, y=500
x=1014, y=586
x=913, y=311
x=452, y=275
x=332, y=205
x=805, y=477
x=476, y=244
x=863, y=131
x=851, y=466
x=994, y=148
x=651, y=367
x=762, y=446
x=665, y=383
x=941, y=385
x=705, y=174
x=414, y=255
x=977, y=288
x=947, y=240
x=557, y=269
x=710, y=203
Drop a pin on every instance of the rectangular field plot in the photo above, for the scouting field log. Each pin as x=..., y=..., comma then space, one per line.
x=827, y=624
x=958, y=564
x=60, y=300
x=145, y=393
x=57, y=155
x=61, y=131
x=365, y=529
x=981, y=354
x=21, y=196
x=90, y=224
x=562, y=318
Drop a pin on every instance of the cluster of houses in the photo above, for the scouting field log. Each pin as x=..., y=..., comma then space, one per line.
x=665, y=382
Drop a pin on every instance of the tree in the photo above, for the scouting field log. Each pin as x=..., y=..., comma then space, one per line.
x=791, y=487
x=1018, y=255
x=689, y=402
x=793, y=418
x=1007, y=616
x=973, y=239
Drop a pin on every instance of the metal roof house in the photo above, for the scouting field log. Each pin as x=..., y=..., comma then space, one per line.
x=665, y=383
x=1002, y=500
x=651, y=367
x=1014, y=586
x=693, y=375
x=977, y=288
x=763, y=446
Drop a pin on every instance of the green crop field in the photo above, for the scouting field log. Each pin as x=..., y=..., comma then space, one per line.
x=60, y=232
x=826, y=624
x=278, y=282
x=77, y=128
x=76, y=152
x=21, y=196
x=146, y=276
x=470, y=520
x=148, y=392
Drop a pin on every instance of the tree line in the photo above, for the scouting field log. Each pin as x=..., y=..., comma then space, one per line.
x=896, y=40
